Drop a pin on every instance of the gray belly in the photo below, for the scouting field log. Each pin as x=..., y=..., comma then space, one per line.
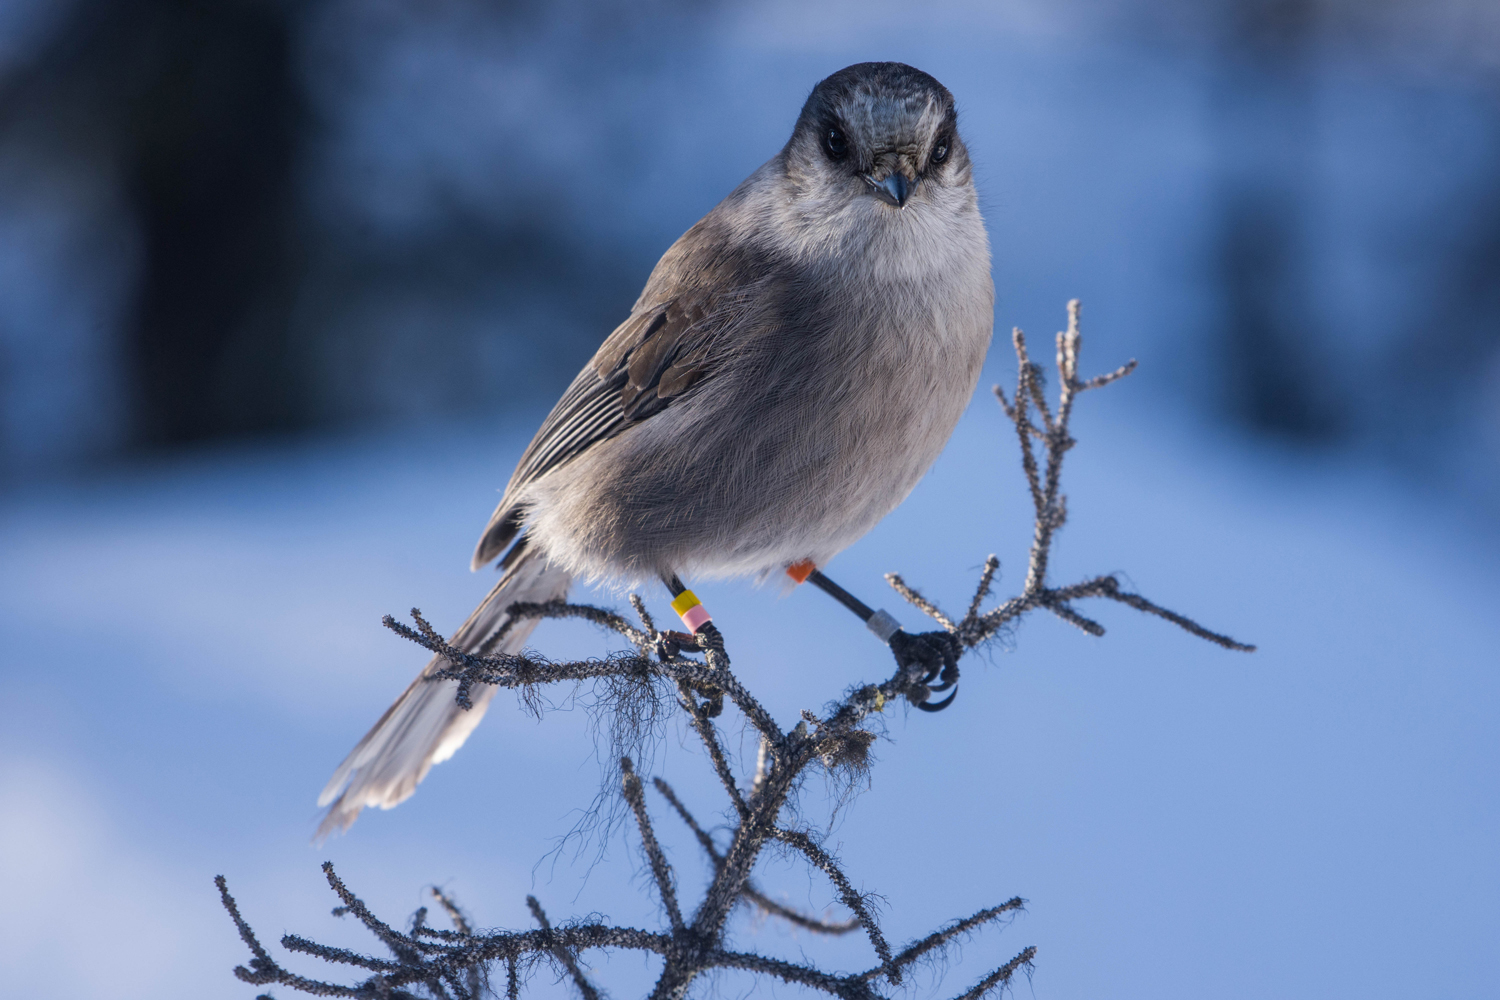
x=793, y=452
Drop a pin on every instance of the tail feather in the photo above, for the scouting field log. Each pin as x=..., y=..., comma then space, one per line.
x=426, y=725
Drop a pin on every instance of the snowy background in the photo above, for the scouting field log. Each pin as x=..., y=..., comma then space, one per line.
x=471, y=196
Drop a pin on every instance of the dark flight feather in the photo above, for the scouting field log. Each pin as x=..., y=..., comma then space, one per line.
x=654, y=357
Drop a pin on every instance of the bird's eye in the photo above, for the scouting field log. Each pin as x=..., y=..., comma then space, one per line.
x=835, y=143
x=940, y=150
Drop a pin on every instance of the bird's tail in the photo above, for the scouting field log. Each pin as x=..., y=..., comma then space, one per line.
x=426, y=725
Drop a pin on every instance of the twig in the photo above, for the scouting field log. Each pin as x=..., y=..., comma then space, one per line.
x=462, y=927
x=986, y=578
x=999, y=977
x=801, y=975
x=927, y=607
x=1072, y=617
x=644, y=615
x=399, y=944
x=704, y=727
x=660, y=869
x=1138, y=602
x=939, y=938
x=512, y=670
x=751, y=893
x=562, y=953
x=847, y=893
x=460, y=922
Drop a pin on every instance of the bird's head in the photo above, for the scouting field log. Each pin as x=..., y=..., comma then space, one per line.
x=882, y=131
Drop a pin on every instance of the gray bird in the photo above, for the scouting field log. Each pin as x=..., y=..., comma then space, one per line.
x=795, y=364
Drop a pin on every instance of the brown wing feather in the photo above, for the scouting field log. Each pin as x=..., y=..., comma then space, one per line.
x=655, y=356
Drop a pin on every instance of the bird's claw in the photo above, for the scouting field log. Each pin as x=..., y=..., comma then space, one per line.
x=929, y=706
x=936, y=653
x=709, y=639
x=670, y=644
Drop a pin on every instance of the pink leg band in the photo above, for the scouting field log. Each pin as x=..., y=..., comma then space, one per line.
x=695, y=616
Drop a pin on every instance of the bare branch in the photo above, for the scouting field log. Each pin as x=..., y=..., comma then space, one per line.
x=1098, y=381
x=1036, y=385
x=852, y=899
x=702, y=677
x=704, y=840
x=447, y=966
x=1072, y=617
x=563, y=953
x=704, y=727
x=986, y=578
x=460, y=922
x=461, y=925
x=1004, y=403
x=1010, y=412
x=340, y=956
x=400, y=945
x=1181, y=621
x=912, y=595
x=769, y=906
x=1051, y=506
x=512, y=670
x=260, y=961
x=751, y=893
x=660, y=869
x=602, y=617
x=644, y=615
x=1000, y=976
x=941, y=938
x=1025, y=430
x=802, y=975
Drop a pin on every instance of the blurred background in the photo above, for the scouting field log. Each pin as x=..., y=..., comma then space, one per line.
x=285, y=287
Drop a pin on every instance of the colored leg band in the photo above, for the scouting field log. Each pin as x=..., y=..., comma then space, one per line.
x=800, y=571
x=883, y=625
x=691, y=610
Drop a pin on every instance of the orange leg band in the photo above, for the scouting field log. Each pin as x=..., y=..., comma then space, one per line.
x=800, y=571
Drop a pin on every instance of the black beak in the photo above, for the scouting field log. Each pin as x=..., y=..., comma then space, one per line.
x=893, y=190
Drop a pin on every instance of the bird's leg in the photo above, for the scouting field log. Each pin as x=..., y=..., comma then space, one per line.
x=704, y=637
x=937, y=652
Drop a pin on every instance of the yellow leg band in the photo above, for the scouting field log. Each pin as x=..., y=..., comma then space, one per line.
x=691, y=610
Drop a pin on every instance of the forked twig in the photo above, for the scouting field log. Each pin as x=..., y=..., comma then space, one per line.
x=999, y=977
x=704, y=727
x=939, y=938
x=752, y=894
x=1044, y=481
x=847, y=893
x=660, y=869
x=563, y=953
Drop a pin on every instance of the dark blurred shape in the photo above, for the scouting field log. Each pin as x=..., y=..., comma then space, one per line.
x=1456, y=342
x=1263, y=136
x=195, y=106
x=214, y=118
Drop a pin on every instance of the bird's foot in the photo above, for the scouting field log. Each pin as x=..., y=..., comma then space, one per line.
x=707, y=640
x=670, y=644
x=936, y=655
x=711, y=642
